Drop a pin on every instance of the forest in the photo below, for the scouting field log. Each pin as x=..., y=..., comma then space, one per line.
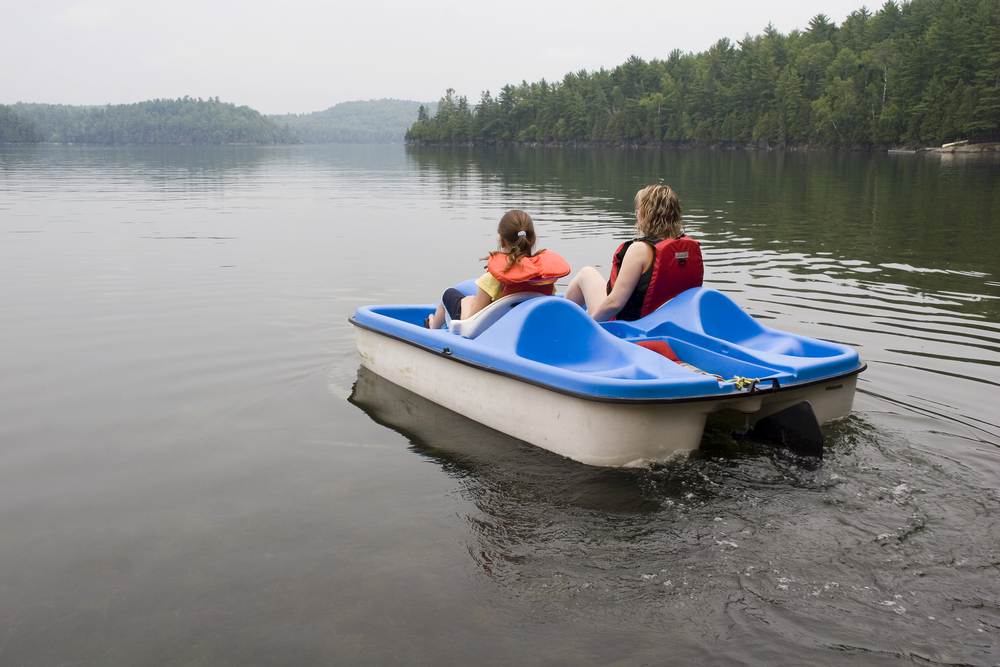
x=373, y=122
x=16, y=128
x=919, y=73
x=182, y=121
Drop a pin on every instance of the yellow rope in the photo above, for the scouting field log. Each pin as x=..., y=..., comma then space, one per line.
x=742, y=382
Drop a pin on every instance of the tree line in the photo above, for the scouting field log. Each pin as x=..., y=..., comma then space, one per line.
x=362, y=122
x=918, y=73
x=161, y=121
x=16, y=128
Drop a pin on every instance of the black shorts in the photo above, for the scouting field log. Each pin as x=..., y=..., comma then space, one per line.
x=452, y=302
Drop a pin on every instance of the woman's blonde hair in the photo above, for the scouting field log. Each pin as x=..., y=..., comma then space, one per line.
x=658, y=212
x=520, y=245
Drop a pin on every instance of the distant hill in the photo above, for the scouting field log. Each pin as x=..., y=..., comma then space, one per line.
x=16, y=128
x=372, y=122
x=181, y=121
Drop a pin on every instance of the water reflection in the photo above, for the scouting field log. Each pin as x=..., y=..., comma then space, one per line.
x=903, y=210
x=503, y=468
x=181, y=485
x=734, y=542
x=118, y=170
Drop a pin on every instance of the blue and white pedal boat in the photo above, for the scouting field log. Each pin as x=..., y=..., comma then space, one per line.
x=540, y=369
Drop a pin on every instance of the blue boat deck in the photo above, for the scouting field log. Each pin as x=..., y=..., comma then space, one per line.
x=552, y=342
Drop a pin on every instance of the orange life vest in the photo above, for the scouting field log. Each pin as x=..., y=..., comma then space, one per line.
x=530, y=274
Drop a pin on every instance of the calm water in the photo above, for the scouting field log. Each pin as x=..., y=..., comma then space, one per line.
x=194, y=471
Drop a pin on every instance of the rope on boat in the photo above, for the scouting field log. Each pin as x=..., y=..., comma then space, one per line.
x=742, y=382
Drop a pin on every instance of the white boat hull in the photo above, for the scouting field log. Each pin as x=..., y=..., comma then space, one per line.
x=595, y=432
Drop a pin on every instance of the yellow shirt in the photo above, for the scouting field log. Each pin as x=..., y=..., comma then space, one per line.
x=490, y=285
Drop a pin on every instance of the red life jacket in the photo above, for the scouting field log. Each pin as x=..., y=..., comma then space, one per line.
x=676, y=267
x=531, y=274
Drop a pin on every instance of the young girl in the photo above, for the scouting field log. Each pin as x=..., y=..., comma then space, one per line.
x=513, y=269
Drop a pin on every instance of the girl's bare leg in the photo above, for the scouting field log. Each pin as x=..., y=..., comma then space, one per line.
x=467, y=304
x=437, y=319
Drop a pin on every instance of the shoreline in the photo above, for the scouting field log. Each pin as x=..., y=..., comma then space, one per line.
x=988, y=147
x=965, y=149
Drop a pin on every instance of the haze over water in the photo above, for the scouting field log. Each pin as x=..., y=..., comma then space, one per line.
x=193, y=469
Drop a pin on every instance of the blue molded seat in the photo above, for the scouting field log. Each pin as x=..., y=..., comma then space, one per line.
x=712, y=322
x=560, y=334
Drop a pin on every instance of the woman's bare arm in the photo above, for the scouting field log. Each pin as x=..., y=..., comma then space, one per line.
x=637, y=259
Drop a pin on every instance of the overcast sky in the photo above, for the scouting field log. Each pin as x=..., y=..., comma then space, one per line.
x=297, y=56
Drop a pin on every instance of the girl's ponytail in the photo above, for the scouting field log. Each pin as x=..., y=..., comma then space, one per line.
x=518, y=232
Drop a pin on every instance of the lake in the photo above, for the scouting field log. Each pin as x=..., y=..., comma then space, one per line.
x=194, y=468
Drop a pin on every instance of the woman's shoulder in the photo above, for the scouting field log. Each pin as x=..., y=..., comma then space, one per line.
x=643, y=249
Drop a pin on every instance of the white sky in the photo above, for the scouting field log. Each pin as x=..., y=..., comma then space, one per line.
x=307, y=55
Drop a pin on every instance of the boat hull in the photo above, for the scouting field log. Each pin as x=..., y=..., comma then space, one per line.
x=593, y=431
x=610, y=394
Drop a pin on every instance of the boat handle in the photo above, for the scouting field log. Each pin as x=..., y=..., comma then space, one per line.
x=775, y=385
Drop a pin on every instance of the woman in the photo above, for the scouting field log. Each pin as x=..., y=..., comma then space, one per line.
x=647, y=274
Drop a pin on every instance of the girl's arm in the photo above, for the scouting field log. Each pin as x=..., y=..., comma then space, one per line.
x=472, y=305
x=638, y=257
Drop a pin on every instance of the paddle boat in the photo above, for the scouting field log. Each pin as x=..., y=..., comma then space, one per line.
x=540, y=369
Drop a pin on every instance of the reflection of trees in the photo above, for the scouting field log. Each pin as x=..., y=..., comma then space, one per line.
x=174, y=167
x=900, y=209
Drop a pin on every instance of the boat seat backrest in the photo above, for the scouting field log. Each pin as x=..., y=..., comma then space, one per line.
x=705, y=311
x=708, y=329
x=724, y=320
x=485, y=318
x=562, y=334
